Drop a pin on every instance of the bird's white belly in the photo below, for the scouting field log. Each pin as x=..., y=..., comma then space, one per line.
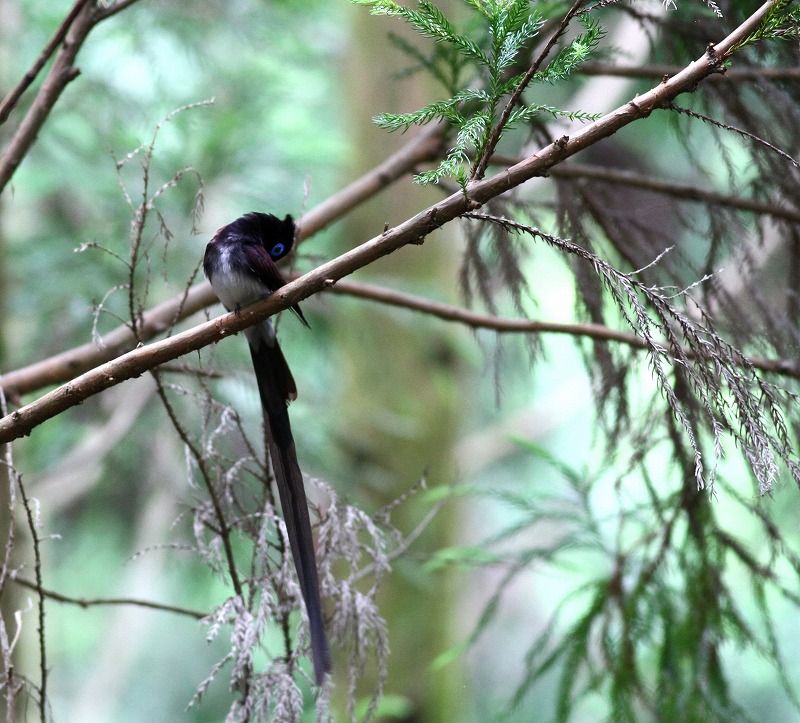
x=235, y=290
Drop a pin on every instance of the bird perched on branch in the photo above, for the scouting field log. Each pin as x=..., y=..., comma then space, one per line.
x=240, y=264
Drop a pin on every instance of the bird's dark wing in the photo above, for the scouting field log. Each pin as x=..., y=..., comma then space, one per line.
x=264, y=268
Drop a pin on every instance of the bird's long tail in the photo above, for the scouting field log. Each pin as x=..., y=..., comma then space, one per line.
x=276, y=388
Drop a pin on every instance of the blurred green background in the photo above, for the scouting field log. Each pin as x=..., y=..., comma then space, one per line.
x=386, y=395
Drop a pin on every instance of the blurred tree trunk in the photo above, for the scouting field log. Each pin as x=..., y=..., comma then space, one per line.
x=403, y=407
x=11, y=599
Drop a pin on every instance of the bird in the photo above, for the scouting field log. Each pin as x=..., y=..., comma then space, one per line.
x=239, y=263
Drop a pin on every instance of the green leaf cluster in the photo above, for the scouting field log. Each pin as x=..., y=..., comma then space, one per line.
x=667, y=592
x=782, y=22
x=482, y=72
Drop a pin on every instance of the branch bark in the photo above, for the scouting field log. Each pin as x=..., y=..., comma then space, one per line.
x=660, y=71
x=412, y=231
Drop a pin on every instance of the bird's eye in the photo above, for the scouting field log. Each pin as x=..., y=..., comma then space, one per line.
x=277, y=250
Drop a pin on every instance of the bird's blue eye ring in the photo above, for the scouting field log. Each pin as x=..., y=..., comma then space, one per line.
x=277, y=250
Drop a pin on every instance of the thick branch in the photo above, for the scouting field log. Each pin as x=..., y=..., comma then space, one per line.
x=661, y=71
x=68, y=364
x=61, y=74
x=71, y=34
x=414, y=230
x=13, y=96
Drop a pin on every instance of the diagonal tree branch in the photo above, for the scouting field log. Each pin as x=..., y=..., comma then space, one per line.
x=424, y=146
x=661, y=71
x=71, y=35
x=412, y=231
x=13, y=96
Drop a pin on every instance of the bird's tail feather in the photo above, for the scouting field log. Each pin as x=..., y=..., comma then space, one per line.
x=295, y=513
x=276, y=387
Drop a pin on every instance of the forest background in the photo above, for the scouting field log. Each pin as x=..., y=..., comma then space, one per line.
x=544, y=478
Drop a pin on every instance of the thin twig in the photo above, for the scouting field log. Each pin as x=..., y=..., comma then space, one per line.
x=503, y=325
x=11, y=487
x=189, y=370
x=140, y=214
x=733, y=129
x=86, y=602
x=37, y=570
x=403, y=547
x=225, y=529
x=480, y=167
x=6, y=645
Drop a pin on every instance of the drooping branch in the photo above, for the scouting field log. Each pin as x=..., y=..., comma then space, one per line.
x=412, y=231
x=504, y=325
